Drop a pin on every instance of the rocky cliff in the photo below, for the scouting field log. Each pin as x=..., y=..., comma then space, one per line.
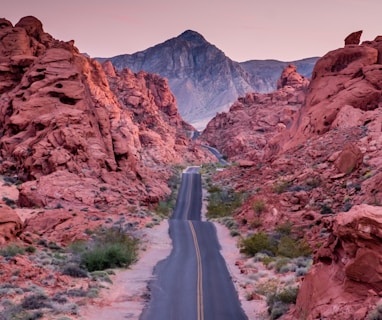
x=321, y=171
x=203, y=79
x=77, y=134
x=243, y=133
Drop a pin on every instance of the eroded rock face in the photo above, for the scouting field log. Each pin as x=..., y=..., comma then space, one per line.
x=348, y=267
x=252, y=121
x=67, y=125
x=10, y=224
x=346, y=77
x=353, y=38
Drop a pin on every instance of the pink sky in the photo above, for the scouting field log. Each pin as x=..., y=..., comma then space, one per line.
x=244, y=29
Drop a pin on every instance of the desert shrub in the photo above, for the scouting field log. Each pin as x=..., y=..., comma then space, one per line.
x=214, y=189
x=110, y=249
x=76, y=293
x=234, y=233
x=35, y=301
x=284, y=228
x=268, y=287
x=278, y=302
x=60, y=298
x=30, y=249
x=325, y=209
x=11, y=250
x=257, y=243
x=313, y=182
x=17, y=313
x=280, y=186
x=280, y=263
x=74, y=270
x=300, y=272
x=375, y=314
x=255, y=223
x=291, y=248
x=222, y=203
x=165, y=207
x=258, y=206
x=101, y=275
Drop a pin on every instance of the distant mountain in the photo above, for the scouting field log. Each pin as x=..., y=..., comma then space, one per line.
x=203, y=79
x=265, y=73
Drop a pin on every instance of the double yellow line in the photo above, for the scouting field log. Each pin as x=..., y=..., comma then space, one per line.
x=199, y=289
x=199, y=297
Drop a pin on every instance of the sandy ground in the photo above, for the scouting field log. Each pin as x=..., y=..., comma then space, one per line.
x=125, y=299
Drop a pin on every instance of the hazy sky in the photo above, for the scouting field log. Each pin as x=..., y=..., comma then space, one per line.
x=244, y=29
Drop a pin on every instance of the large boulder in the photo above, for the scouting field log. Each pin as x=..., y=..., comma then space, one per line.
x=10, y=224
x=346, y=277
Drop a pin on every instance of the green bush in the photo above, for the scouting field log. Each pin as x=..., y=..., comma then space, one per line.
x=111, y=249
x=257, y=243
x=11, y=250
x=285, y=228
x=291, y=248
x=280, y=186
x=278, y=303
x=258, y=206
x=280, y=263
x=222, y=203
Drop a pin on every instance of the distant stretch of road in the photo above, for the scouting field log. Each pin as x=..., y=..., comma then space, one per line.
x=193, y=283
x=216, y=153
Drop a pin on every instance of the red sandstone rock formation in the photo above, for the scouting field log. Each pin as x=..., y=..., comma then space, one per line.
x=244, y=131
x=10, y=224
x=353, y=38
x=77, y=135
x=349, y=76
x=347, y=269
x=326, y=161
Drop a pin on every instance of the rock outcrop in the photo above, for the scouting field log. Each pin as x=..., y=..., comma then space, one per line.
x=321, y=172
x=252, y=121
x=347, y=270
x=10, y=224
x=353, y=38
x=79, y=135
x=349, y=76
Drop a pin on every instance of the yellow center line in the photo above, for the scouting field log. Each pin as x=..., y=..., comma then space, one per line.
x=200, y=305
x=187, y=211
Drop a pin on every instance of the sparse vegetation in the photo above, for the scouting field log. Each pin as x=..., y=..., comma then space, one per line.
x=280, y=186
x=222, y=203
x=73, y=270
x=375, y=314
x=11, y=250
x=110, y=249
x=286, y=246
x=278, y=302
x=258, y=206
x=258, y=242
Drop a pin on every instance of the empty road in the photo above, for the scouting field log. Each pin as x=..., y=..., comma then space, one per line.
x=193, y=283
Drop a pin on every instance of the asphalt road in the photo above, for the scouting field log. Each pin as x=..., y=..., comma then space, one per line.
x=193, y=283
x=217, y=154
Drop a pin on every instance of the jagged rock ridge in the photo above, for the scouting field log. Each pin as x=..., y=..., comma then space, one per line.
x=69, y=129
x=203, y=79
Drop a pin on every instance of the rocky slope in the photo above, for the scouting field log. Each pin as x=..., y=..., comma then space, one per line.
x=76, y=136
x=321, y=170
x=203, y=79
x=244, y=132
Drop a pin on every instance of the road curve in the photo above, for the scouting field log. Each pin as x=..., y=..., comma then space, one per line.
x=193, y=283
